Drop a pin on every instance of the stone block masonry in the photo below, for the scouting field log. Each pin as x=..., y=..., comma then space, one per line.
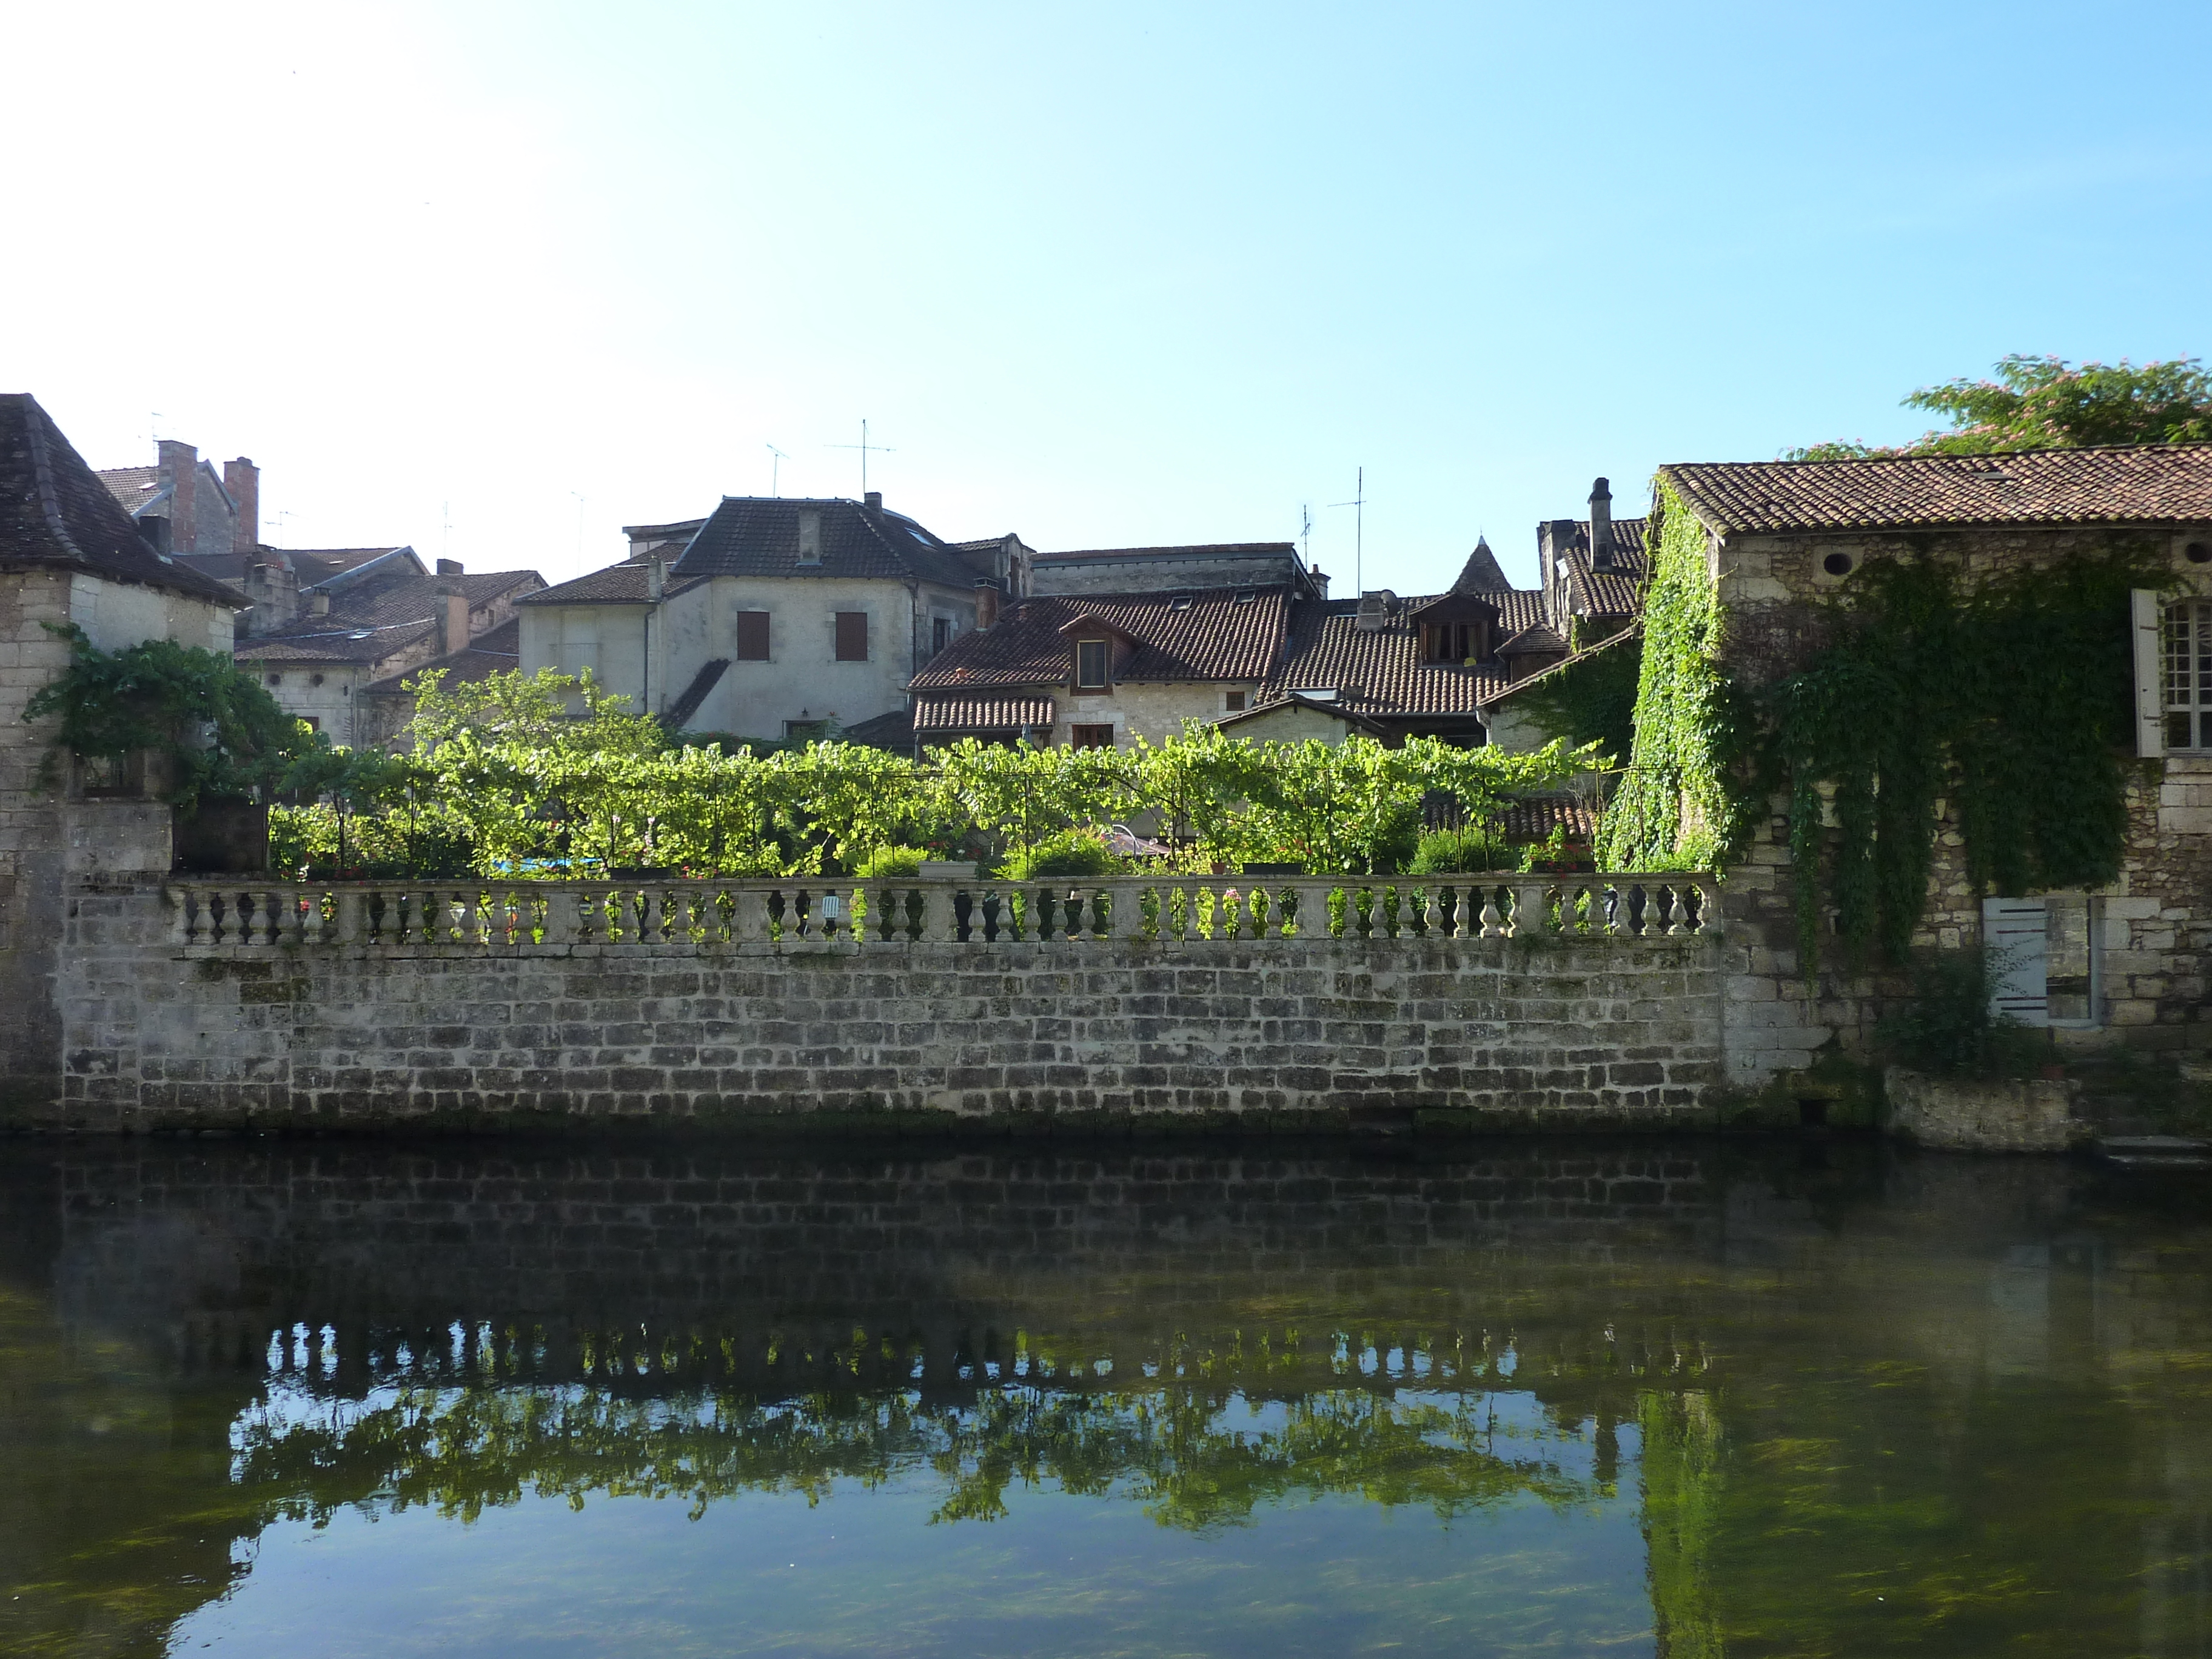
x=324, y=1009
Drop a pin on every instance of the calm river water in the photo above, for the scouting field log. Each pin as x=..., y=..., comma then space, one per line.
x=1688, y=1398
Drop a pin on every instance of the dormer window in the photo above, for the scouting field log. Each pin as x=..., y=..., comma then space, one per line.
x=809, y=537
x=1091, y=664
x=1447, y=642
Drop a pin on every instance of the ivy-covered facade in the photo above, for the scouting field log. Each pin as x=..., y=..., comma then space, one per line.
x=1930, y=703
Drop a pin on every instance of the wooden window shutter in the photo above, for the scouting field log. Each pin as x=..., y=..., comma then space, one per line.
x=852, y=636
x=2148, y=616
x=2018, y=934
x=752, y=636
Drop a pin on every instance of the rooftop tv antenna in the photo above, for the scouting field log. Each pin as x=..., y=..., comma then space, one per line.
x=445, y=528
x=1305, y=535
x=1358, y=504
x=863, y=447
x=779, y=459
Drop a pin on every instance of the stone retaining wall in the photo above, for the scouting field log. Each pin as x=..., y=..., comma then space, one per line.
x=1551, y=1031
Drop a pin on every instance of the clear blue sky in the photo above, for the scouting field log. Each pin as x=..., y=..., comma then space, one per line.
x=1118, y=275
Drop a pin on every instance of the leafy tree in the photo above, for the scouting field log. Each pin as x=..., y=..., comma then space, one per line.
x=2044, y=403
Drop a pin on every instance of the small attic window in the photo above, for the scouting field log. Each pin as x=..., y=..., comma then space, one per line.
x=1245, y=596
x=1316, y=693
x=1181, y=602
x=1091, y=665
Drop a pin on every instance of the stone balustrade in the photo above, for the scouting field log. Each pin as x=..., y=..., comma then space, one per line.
x=233, y=913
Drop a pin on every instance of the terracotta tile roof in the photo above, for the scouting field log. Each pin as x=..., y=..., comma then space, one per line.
x=946, y=714
x=1540, y=636
x=495, y=650
x=1380, y=672
x=1334, y=710
x=1634, y=630
x=758, y=535
x=1615, y=592
x=618, y=584
x=2130, y=483
x=1154, y=555
x=1533, y=817
x=55, y=511
x=327, y=644
x=133, y=487
x=371, y=624
x=1207, y=633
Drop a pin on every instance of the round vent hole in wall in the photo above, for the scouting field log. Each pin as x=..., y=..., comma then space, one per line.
x=1837, y=564
x=2197, y=553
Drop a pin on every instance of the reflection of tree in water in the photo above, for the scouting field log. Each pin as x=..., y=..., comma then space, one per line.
x=1195, y=1459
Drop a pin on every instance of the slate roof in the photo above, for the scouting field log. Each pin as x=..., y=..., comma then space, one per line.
x=758, y=535
x=55, y=511
x=894, y=731
x=1206, y=633
x=618, y=584
x=948, y=713
x=495, y=650
x=2130, y=483
x=317, y=565
x=1632, y=631
x=1380, y=672
x=1616, y=592
x=323, y=643
x=1334, y=710
x=1480, y=573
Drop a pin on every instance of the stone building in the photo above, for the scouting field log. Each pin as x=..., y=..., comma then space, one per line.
x=2127, y=961
x=772, y=616
x=69, y=553
x=371, y=624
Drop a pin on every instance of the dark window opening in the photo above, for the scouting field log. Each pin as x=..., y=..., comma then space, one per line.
x=1091, y=665
x=940, y=634
x=1090, y=736
x=2197, y=553
x=752, y=636
x=1236, y=702
x=1454, y=642
x=852, y=636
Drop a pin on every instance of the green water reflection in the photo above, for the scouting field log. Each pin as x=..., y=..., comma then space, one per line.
x=1688, y=1399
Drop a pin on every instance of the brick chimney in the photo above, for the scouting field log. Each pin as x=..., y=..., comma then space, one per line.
x=987, y=604
x=449, y=567
x=178, y=468
x=1600, y=524
x=243, y=480
x=452, y=615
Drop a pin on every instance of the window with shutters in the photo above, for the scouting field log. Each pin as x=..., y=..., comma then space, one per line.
x=852, y=636
x=1091, y=665
x=1090, y=736
x=2187, y=679
x=752, y=636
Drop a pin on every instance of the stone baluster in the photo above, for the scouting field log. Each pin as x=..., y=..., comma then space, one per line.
x=352, y=907
x=480, y=917
x=181, y=915
x=1531, y=911
x=1678, y=910
x=1617, y=923
x=940, y=918
x=1493, y=925
x=1708, y=908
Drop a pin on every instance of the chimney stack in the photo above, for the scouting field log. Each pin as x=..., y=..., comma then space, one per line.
x=243, y=480
x=656, y=578
x=873, y=501
x=178, y=466
x=1374, y=613
x=987, y=604
x=319, y=604
x=449, y=567
x=452, y=617
x=1600, y=524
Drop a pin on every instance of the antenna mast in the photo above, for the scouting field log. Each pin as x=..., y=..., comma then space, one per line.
x=1358, y=505
x=780, y=457
x=863, y=447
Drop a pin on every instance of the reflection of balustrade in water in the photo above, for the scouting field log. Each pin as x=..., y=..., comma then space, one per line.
x=565, y=916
